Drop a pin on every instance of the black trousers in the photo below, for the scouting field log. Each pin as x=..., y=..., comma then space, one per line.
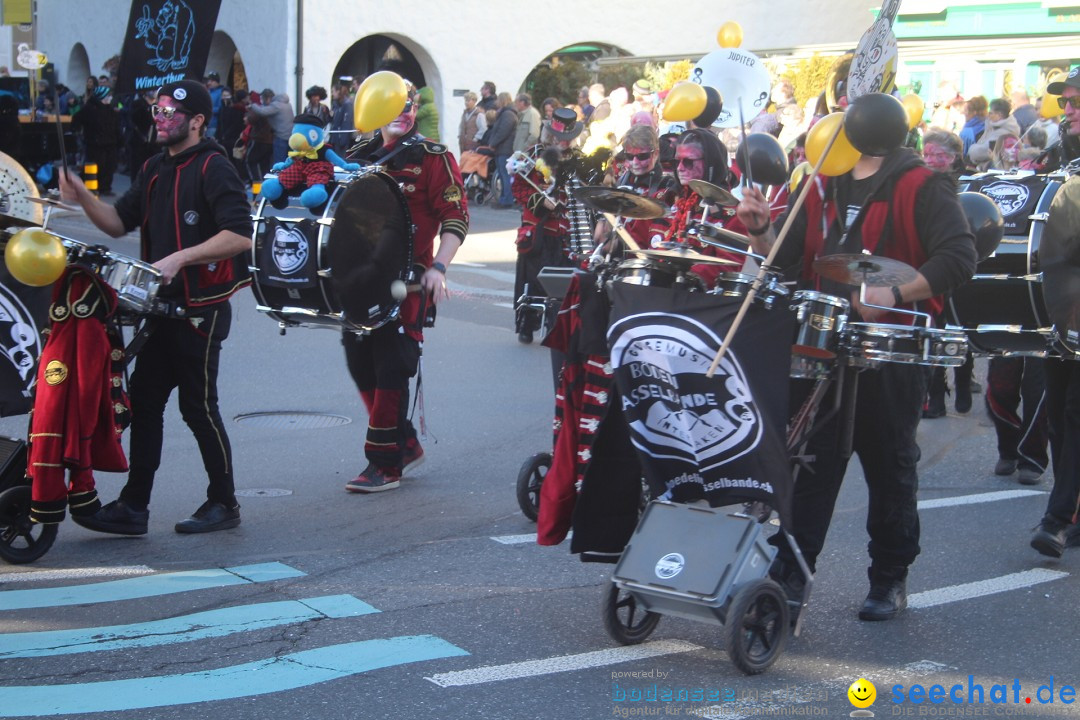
x=181, y=353
x=381, y=364
x=1010, y=382
x=887, y=413
x=1063, y=416
x=106, y=157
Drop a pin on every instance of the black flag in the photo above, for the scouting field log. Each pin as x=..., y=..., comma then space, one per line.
x=24, y=314
x=721, y=439
x=166, y=41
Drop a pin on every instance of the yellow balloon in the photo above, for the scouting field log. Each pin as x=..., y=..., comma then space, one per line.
x=1050, y=108
x=729, y=35
x=843, y=155
x=379, y=99
x=800, y=173
x=915, y=107
x=35, y=257
x=685, y=101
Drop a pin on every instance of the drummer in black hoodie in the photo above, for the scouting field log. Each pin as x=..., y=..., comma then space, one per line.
x=195, y=223
x=896, y=207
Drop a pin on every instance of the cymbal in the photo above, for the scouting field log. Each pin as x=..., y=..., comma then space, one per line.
x=1059, y=260
x=620, y=202
x=682, y=254
x=710, y=229
x=53, y=203
x=858, y=268
x=714, y=194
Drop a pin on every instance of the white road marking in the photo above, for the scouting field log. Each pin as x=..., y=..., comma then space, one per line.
x=505, y=305
x=520, y=539
x=74, y=573
x=977, y=498
x=967, y=591
x=468, y=264
x=564, y=663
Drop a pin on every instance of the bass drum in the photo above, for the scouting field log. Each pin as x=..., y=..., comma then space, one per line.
x=1002, y=309
x=336, y=270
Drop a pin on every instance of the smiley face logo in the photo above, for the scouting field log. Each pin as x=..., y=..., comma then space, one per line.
x=862, y=693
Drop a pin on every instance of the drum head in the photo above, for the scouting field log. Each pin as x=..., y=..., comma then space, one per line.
x=370, y=247
x=1059, y=258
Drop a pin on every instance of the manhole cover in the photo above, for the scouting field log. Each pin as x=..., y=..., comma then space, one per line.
x=264, y=492
x=292, y=420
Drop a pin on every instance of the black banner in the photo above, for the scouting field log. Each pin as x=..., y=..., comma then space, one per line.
x=288, y=254
x=24, y=315
x=166, y=41
x=721, y=439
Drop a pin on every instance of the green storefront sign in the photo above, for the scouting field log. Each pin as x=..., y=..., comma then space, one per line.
x=989, y=20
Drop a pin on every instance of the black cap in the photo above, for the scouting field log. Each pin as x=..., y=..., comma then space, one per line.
x=308, y=119
x=213, y=76
x=191, y=96
x=1073, y=81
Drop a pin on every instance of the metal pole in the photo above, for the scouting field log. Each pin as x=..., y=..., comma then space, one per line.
x=299, y=54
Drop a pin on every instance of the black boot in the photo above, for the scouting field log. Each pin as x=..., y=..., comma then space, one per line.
x=888, y=593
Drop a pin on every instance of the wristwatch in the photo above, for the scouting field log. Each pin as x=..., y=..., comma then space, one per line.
x=439, y=266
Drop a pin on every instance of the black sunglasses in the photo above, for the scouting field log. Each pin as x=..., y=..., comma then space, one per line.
x=688, y=162
x=640, y=157
x=1074, y=101
x=408, y=107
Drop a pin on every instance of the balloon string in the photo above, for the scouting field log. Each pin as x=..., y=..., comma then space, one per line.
x=772, y=253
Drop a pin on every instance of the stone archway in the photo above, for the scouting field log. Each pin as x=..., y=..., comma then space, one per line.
x=78, y=69
x=380, y=52
x=225, y=60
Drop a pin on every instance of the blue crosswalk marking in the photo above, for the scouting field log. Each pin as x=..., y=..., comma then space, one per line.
x=286, y=672
x=146, y=586
x=187, y=628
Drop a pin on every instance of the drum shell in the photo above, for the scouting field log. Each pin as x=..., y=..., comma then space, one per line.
x=654, y=273
x=771, y=293
x=136, y=283
x=1001, y=308
x=359, y=245
x=821, y=318
x=870, y=344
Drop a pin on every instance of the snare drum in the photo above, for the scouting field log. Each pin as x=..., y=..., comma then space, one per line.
x=771, y=293
x=1002, y=308
x=136, y=283
x=869, y=344
x=335, y=270
x=656, y=273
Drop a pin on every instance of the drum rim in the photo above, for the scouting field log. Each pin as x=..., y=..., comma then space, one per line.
x=823, y=297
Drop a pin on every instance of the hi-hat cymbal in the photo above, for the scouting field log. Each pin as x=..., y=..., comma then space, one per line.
x=53, y=203
x=713, y=194
x=858, y=268
x=620, y=202
x=683, y=254
x=1059, y=261
x=714, y=229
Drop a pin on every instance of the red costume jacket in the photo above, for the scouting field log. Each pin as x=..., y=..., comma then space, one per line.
x=80, y=408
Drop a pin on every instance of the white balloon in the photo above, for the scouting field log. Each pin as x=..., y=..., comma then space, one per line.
x=739, y=76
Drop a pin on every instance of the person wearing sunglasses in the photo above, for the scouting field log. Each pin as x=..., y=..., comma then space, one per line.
x=640, y=172
x=382, y=362
x=189, y=205
x=1058, y=528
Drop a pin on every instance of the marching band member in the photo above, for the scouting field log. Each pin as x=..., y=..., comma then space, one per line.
x=382, y=362
x=903, y=210
x=544, y=238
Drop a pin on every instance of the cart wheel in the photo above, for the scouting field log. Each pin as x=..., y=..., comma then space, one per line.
x=757, y=626
x=623, y=620
x=529, y=480
x=22, y=541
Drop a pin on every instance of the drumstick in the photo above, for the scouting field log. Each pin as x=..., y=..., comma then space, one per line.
x=772, y=254
x=749, y=176
x=59, y=130
x=621, y=231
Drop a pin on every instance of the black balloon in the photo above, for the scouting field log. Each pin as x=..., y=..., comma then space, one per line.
x=714, y=105
x=876, y=124
x=768, y=161
x=985, y=220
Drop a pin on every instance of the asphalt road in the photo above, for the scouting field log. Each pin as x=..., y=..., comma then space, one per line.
x=430, y=601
